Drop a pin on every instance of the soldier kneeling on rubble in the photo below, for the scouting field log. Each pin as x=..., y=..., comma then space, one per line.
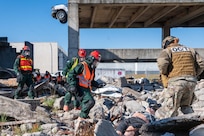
x=130, y=126
x=179, y=67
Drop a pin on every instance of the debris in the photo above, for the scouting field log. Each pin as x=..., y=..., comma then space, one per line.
x=12, y=123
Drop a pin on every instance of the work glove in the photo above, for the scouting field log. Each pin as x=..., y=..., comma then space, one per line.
x=72, y=89
x=101, y=85
x=19, y=77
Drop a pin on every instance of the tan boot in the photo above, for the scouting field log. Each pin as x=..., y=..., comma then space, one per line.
x=65, y=108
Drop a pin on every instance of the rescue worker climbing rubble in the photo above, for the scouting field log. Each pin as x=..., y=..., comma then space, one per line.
x=179, y=67
x=23, y=66
x=81, y=79
x=71, y=64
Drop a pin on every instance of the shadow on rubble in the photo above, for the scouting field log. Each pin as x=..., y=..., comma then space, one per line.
x=6, y=73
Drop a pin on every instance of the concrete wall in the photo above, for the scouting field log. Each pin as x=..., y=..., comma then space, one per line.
x=132, y=1
x=146, y=68
x=130, y=68
x=109, y=72
x=133, y=54
x=46, y=57
x=7, y=55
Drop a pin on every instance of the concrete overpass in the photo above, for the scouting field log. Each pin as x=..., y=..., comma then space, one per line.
x=165, y=14
x=133, y=55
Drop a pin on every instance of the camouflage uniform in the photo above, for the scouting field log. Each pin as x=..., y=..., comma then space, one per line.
x=181, y=66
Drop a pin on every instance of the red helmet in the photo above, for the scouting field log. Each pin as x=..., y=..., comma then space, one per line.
x=96, y=55
x=26, y=48
x=82, y=53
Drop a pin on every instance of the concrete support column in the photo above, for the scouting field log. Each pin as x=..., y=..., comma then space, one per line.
x=73, y=30
x=165, y=32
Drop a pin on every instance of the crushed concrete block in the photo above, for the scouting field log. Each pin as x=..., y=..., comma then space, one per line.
x=197, y=131
x=21, y=110
x=104, y=128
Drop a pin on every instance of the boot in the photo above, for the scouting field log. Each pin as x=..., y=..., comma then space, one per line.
x=16, y=97
x=77, y=108
x=30, y=96
x=66, y=108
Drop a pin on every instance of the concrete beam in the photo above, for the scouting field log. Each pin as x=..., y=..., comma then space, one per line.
x=93, y=16
x=159, y=15
x=21, y=110
x=73, y=30
x=165, y=32
x=188, y=16
x=133, y=1
x=137, y=15
x=116, y=15
x=134, y=55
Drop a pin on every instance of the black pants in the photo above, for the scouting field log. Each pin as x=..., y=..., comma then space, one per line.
x=132, y=121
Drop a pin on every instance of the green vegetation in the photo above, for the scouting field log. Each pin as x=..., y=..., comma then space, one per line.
x=49, y=102
x=3, y=118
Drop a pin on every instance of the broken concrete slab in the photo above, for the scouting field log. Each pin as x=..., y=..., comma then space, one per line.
x=197, y=131
x=11, y=82
x=41, y=84
x=33, y=102
x=104, y=128
x=21, y=110
x=179, y=125
x=7, y=91
x=129, y=91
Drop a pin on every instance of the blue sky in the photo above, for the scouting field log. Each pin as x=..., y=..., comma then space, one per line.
x=31, y=20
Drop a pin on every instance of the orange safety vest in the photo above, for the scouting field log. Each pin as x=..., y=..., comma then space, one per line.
x=25, y=63
x=59, y=78
x=38, y=78
x=47, y=76
x=86, y=76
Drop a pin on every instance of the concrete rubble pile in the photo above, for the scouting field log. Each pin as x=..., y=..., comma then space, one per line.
x=119, y=99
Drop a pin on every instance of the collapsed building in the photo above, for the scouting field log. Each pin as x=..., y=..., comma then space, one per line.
x=117, y=100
